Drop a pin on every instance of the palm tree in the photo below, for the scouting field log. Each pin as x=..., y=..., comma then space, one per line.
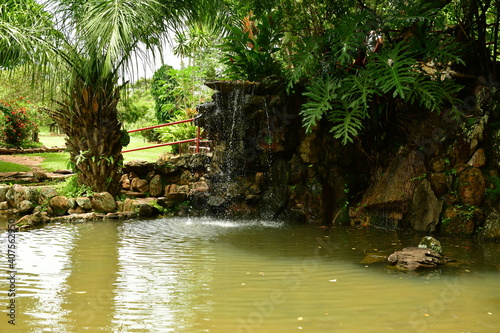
x=97, y=42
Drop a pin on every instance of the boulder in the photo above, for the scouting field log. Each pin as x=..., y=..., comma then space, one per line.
x=310, y=150
x=165, y=202
x=145, y=210
x=84, y=202
x=471, y=187
x=177, y=197
x=25, y=207
x=438, y=164
x=155, y=186
x=59, y=205
x=439, y=184
x=103, y=202
x=478, y=160
x=414, y=258
x=72, y=203
x=33, y=220
x=4, y=205
x=76, y=210
x=200, y=186
x=425, y=208
x=46, y=193
x=40, y=176
x=31, y=194
x=491, y=229
x=461, y=220
x=431, y=243
x=125, y=181
x=19, y=194
x=186, y=178
x=3, y=192
x=131, y=205
x=139, y=185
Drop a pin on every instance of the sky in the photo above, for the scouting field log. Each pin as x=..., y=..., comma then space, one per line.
x=146, y=70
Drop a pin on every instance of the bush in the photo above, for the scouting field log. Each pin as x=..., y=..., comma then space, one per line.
x=18, y=128
x=179, y=132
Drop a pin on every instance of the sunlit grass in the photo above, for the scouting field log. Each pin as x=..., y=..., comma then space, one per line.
x=13, y=167
x=152, y=154
x=55, y=161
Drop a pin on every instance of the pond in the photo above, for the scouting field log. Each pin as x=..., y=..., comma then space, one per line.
x=208, y=275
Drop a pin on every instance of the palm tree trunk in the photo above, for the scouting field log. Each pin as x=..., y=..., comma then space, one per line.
x=93, y=131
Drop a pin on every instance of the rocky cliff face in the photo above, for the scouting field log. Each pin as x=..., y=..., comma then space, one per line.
x=264, y=165
x=439, y=177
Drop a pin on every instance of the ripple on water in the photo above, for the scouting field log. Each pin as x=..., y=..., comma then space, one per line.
x=189, y=275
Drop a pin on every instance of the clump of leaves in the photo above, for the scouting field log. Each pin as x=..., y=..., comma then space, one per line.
x=249, y=50
x=178, y=132
x=71, y=189
x=347, y=99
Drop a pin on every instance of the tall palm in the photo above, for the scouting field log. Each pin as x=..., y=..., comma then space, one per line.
x=99, y=40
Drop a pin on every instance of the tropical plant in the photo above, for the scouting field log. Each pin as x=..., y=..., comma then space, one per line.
x=250, y=48
x=179, y=132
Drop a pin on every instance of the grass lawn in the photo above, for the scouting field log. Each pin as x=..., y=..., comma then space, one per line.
x=12, y=167
x=54, y=161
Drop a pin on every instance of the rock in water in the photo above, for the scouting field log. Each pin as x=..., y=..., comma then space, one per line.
x=413, y=258
x=431, y=243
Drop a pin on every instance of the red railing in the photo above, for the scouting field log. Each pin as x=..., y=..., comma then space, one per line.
x=197, y=140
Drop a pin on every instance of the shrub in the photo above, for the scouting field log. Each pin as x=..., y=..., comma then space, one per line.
x=18, y=127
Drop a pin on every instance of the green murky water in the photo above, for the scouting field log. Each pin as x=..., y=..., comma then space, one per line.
x=204, y=275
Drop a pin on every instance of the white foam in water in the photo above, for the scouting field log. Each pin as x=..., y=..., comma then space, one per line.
x=240, y=224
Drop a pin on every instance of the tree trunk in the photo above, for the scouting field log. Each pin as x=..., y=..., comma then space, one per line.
x=90, y=121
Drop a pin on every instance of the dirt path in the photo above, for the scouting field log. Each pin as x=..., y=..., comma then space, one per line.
x=32, y=161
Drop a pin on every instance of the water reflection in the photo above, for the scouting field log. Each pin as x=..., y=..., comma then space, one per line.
x=43, y=266
x=205, y=275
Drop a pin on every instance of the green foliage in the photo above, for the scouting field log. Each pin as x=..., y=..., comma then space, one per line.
x=72, y=189
x=179, y=132
x=125, y=139
x=493, y=192
x=138, y=102
x=250, y=52
x=347, y=100
x=18, y=127
x=162, y=89
x=177, y=90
